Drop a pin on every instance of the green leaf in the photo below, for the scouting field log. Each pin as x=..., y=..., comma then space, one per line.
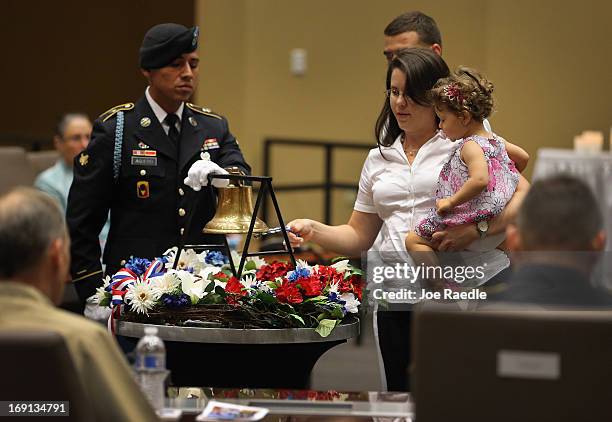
x=105, y=301
x=338, y=258
x=219, y=290
x=266, y=297
x=326, y=326
x=209, y=288
x=357, y=271
x=250, y=265
x=316, y=299
x=299, y=318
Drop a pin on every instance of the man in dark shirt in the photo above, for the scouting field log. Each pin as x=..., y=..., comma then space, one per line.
x=556, y=243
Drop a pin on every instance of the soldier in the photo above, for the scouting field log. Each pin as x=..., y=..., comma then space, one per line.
x=138, y=161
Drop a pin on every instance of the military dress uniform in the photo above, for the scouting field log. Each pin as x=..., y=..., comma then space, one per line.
x=148, y=201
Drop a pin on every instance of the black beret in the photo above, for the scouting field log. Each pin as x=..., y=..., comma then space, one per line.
x=165, y=42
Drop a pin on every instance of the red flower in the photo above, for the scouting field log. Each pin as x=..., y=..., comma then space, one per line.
x=272, y=271
x=235, y=287
x=353, y=284
x=288, y=292
x=311, y=286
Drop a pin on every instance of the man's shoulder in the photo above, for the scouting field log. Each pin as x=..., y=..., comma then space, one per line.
x=204, y=113
x=73, y=325
x=112, y=112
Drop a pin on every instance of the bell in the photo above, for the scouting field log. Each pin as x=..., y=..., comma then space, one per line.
x=234, y=212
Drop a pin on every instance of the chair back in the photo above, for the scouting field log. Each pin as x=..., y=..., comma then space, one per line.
x=15, y=169
x=36, y=366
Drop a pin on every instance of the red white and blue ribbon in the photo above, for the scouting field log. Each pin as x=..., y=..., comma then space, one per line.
x=156, y=269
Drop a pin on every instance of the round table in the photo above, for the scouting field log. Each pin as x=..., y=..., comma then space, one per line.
x=230, y=357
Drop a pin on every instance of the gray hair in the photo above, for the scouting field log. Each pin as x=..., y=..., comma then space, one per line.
x=30, y=221
x=559, y=213
x=64, y=121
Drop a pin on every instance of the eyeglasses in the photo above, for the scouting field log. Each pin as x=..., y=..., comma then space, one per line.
x=394, y=94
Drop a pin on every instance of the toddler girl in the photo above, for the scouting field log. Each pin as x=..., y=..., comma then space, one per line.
x=478, y=179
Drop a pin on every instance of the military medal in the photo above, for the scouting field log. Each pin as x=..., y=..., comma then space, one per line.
x=142, y=189
x=210, y=143
x=142, y=145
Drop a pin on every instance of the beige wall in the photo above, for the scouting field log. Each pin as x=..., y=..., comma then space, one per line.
x=71, y=55
x=550, y=62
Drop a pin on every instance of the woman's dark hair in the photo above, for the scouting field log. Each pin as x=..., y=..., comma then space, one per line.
x=422, y=68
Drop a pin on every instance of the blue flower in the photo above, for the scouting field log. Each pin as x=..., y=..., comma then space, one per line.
x=298, y=273
x=216, y=258
x=175, y=302
x=138, y=265
x=335, y=297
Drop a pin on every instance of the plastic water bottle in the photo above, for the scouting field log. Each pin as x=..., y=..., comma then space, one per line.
x=151, y=367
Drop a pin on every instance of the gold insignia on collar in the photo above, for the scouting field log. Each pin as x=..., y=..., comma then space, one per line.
x=145, y=122
x=83, y=160
x=203, y=110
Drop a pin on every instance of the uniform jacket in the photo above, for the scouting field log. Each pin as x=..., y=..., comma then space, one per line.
x=149, y=204
x=104, y=374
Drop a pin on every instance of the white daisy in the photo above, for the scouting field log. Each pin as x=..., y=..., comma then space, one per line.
x=141, y=297
x=101, y=292
x=165, y=284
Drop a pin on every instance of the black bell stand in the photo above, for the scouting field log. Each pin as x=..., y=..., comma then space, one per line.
x=265, y=185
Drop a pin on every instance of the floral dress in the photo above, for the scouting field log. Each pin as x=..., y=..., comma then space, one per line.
x=503, y=179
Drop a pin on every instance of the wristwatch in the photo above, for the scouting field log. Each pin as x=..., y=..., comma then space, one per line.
x=483, y=228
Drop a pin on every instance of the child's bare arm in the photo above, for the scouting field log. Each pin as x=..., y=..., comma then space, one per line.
x=473, y=156
x=518, y=155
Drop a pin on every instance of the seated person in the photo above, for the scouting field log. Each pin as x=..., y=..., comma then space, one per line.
x=557, y=241
x=72, y=135
x=33, y=272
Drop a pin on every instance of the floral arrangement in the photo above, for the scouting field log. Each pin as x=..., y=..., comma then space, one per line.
x=203, y=291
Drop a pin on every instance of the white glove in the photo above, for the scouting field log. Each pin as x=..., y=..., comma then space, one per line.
x=197, y=176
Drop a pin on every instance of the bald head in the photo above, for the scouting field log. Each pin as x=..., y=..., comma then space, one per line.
x=33, y=239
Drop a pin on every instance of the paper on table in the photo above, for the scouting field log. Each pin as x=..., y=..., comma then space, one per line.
x=219, y=411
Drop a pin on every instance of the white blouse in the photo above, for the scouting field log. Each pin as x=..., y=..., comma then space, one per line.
x=402, y=194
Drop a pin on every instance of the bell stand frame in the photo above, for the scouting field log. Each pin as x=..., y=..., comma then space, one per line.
x=265, y=185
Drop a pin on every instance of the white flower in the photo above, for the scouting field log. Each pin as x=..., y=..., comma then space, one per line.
x=141, y=297
x=189, y=259
x=259, y=262
x=193, y=289
x=341, y=266
x=101, y=292
x=165, y=284
x=303, y=264
x=352, y=304
x=333, y=287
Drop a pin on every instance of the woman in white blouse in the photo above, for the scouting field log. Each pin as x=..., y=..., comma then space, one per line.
x=396, y=190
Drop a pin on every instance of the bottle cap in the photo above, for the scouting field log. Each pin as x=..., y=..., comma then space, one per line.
x=150, y=331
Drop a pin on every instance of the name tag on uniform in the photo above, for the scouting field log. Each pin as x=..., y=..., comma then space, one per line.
x=144, y=161
x=210, y=143
x=144, y=153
